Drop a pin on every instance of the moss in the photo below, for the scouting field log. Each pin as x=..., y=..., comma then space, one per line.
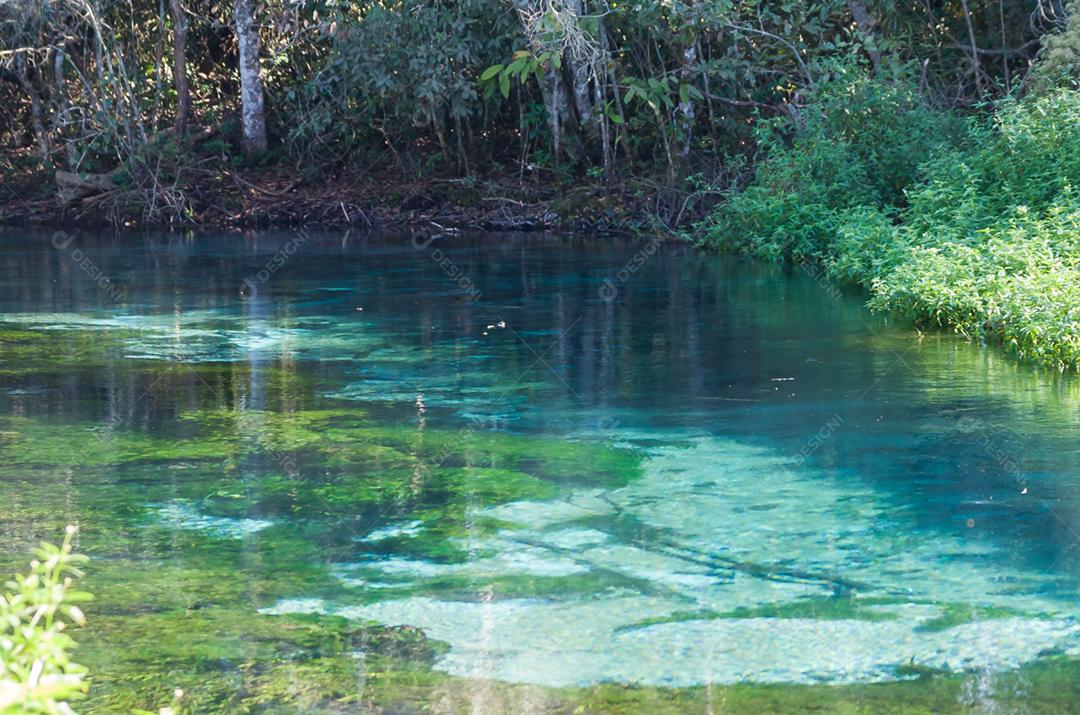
x=465, y=587
x=1050, y=685
x=955, y=614
x=225, y=660
x=27, y=442
x=835, y=608
x=825, y=608
x=484, y=486
x=346, y=436
x=25, y=351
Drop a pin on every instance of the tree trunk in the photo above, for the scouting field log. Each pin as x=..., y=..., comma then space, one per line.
x=554, y=92
x=62, y=106
x=183, y=95
x=40, y=133
x=253, y=116
x=867, y=25
x=579, y=73
x=686, y=108
x=159, y=58
x=976, y=64
x=579, y=81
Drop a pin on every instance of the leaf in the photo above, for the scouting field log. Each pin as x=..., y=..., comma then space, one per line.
x=617, y=118
x=490, y=72
x=504, y=85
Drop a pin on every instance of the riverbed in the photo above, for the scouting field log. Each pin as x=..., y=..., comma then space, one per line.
x=508, y=473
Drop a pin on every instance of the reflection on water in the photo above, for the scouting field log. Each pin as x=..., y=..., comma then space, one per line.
x=716, y=472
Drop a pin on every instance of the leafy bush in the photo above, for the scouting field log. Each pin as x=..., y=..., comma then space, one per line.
x=991, y=245
x=1059, y=61
x=36, y=672
x=981, y=231
x=859, y=143
x=402, y=73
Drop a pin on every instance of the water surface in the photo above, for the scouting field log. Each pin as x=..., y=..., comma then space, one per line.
x=301, y=460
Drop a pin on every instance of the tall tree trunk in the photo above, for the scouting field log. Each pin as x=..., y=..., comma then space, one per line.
x=976, y=64
x=62, y=106
x=579, y=73
x=579, y=82
x=686, y=107
x=554, y=92
x=183, y=95
x=253, y=116
x=159, y=58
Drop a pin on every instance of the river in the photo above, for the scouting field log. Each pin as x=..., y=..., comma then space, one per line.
x=496, y=473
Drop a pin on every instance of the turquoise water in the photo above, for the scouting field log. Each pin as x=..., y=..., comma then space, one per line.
x=566, y=461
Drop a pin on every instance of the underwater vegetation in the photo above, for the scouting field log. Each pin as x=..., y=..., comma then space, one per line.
x=227, y=524
x=387, y=511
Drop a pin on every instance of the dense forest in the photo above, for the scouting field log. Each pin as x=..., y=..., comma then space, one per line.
x=925, y=150
x=178, y=103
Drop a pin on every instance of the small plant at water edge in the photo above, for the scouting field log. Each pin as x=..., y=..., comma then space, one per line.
x=36, y=671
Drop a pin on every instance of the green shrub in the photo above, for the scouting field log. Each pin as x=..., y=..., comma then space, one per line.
x=1016, y=281
x=974, y=224
x=36, y=672
x=859, y=143
x=1059, y=60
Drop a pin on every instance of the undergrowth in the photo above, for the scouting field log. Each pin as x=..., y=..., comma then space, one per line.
x=972, y=223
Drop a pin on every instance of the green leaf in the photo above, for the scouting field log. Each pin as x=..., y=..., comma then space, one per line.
x=491, y=72
x=504, y=84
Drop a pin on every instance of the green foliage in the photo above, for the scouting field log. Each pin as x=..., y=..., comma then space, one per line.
x=523, y=64
x=400, y=73
x=36, y=671
x=1059, y=61
x=978, y=230
x=859, y=143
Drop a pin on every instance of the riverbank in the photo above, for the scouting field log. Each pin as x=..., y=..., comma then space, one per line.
x=968, y=224
x=274, y=197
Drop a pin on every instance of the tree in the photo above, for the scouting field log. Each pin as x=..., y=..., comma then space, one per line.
x=183, y=95
x=252, y=113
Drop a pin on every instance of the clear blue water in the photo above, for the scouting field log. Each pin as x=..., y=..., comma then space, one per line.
x=569, y=460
